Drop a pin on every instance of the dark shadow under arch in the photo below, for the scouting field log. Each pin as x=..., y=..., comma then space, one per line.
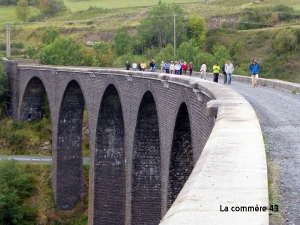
x=146, y=180
x=32, y=102
x=69, y=177
x=181, y=161
x=109, y=168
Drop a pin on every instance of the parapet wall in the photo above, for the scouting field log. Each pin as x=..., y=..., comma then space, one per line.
x=277, y=84
x=230, y=176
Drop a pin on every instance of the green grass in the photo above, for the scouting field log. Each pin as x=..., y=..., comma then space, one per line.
x=8, y=14
x=42, y=197
x=276, y=218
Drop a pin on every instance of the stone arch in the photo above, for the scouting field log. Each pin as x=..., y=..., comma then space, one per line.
x=181, y=160
x=109, y=164
x=32, y=100
x=69, y=162
x=146, y=163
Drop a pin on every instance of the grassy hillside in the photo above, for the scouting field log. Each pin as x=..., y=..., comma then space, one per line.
x=43, y=199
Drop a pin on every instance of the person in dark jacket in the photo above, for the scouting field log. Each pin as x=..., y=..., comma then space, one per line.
x=191, y=67
x=127, y=64
x=254, y=70
x=224, y=73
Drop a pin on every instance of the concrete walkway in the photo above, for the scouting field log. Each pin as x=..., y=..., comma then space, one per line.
x=279, y=114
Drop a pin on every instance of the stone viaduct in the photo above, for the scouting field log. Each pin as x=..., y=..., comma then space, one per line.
x=151, y=136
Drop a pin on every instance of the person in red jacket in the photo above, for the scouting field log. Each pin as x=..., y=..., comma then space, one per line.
x=184, y=67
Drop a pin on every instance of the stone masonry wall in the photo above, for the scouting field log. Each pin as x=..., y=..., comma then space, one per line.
x=86, y=87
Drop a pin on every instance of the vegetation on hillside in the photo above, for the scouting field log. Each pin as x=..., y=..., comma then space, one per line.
x=26, y=196
x=15, y=186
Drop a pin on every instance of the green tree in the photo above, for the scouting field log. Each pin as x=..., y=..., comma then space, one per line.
x=49, y=35
x=285, y=41
x=221, y=54
x=197, y=29
x=188, y=51
x=104, y=54
x=88, y=56
x=208, y=58
x=51, y=7
x=122, y=42
x=14, y=188
x=62, y=51
x=23, y=10
x=32, y=52
x=164, y=55
x=158, y=29
x=66, y=52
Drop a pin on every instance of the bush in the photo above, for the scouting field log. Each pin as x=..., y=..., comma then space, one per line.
x=2, y=46
x=16, y=125
x=15, y=186
x=17, y=45
x=16, y=139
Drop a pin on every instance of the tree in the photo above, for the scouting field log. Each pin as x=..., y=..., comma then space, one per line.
x=49, y=35
x=164, y=55
x=66, y=52
x=158, y=29
x=104, y=54
x=197, y=29
x=285, y=41
x=122, y=42
x=23, y=10
x=188, y=51
x=32, y=52
x=14, y=188
x=221, y=54
x=51, y=7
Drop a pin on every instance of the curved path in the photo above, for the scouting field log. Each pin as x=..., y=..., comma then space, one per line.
x=35, y=159
x=279, y=115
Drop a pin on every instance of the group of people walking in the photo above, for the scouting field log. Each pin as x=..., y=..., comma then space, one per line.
x=227, y=70
x=181, y=67
x=177, y=67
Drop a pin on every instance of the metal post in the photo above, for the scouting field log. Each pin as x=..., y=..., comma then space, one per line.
x=8, y=53
x=174, y=14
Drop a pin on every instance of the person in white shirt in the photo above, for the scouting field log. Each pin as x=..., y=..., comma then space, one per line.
x=229, y=70
x=203, y=70
x=134, y=66
x=172, y=67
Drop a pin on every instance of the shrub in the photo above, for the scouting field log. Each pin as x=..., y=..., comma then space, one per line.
x=16, y=125
x=2, y=46
x=15, y=186
x=16, y=139
x=17, y=45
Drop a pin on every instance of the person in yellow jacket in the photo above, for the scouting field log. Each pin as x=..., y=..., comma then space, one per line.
x=216, y=71
x=143, y=66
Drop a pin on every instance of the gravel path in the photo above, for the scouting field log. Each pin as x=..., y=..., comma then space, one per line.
x=279, y=115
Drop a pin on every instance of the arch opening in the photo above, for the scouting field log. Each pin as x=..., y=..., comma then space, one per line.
x=109, y=168
x=69, y=162
x=146, y=178
x=33, y=99
x=181, y=160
